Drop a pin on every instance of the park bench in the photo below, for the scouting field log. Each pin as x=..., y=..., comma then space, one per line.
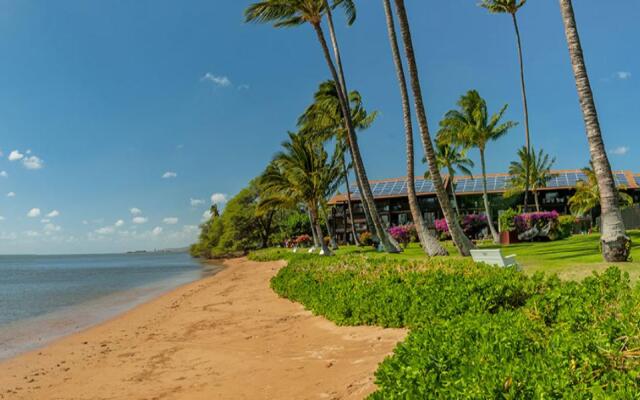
x=493, y=257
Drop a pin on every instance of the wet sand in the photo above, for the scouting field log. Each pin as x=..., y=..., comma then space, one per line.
x=223, y=337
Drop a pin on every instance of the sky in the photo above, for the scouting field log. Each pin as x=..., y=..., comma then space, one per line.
x=122, y=121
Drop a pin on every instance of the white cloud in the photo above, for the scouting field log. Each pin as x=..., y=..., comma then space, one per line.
x=221, y=81
x=218, y=198
x=32, y=233
x=4, y=174
x=135, y=211
x=33, y=213
x=119, y=223
x=33, y=162
x=11, y=194
x=45, y=220
x=52, y=228
x=170, y=220
x=53, y=214
x=623, y=75
x=140, y=220
x=2, y=218
x=244, y=86
x=206, y=215
x=169, y=175
x=196, y=202
x=156, y=231
x=107, y=230
x=620, y=151
x=15, y=156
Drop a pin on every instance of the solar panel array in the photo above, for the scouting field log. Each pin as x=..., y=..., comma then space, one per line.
x=398, y=187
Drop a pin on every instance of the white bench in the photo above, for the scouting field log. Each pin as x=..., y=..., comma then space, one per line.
x=493, y=257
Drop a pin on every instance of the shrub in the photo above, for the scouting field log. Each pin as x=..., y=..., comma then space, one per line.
x=303, y=240
x=401, y=233
x=471, y=224
x=507, y=221
x=566, y=225
x=366, y=239
x=524, y=222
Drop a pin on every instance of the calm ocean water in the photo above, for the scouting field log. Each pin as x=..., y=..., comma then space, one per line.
x=44, y=297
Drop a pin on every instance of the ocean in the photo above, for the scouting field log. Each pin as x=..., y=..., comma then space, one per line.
x=45, y=297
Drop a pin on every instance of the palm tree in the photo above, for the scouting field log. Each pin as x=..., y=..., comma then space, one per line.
x=450, y=158
x=616, y=244
x=430, y=243
x=539, y=173
x=471, y=126
x=289, y=13
x=587, y=196
x=304, y=173
x=512, y=7
x=461, y=241
x=324, y=118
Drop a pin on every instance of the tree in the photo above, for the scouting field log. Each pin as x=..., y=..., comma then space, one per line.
x=471, y=126
x=302, y=172
x=461, y=241
x=450, y=158
x=289, y=13
x=587, y=195
x=616, y=245
x=324, y=118
x=537, y=177
x=430, y=243
x=512, y=7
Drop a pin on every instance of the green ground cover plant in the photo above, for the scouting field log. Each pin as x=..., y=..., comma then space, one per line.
x=478, y=332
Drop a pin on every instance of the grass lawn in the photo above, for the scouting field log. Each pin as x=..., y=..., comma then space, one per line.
x=573, y=258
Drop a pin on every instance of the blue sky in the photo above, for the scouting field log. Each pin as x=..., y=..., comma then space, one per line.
x=100, y=99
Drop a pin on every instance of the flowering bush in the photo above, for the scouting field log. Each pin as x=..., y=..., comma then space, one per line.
x=303, y=240
x=401, y=233
x=471, y=224
x=540, y=220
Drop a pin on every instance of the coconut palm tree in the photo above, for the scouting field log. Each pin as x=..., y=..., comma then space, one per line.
x=537, y=177
x=512, y=7
x=451, y=158
x=616, y=244
x=324, y=118
x=587, y=195
x=289, y=13
x=471, y=126
x=461, y=241
x=430, y=243
x=303, y=173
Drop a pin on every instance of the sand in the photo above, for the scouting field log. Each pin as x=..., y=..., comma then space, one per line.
x=228, y=336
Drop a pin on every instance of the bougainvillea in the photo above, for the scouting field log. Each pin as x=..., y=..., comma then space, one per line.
x=471, y=224
x=401, y=233
x=524, y=222
x=303, y=240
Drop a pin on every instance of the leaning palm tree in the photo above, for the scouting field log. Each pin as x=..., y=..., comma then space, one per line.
x=616, y=244
x=471, y=126
x=451, y=158
x=324, y=118
x=430, y=243
x=512, y=7
x=587, y=195
x=302, y=172
x=289, y=13
x=537, y=177
x=461, y=241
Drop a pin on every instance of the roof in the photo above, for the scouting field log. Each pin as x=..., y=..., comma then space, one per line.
x=470, y=185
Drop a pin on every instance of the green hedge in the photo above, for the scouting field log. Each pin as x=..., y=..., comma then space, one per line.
x=480, y=332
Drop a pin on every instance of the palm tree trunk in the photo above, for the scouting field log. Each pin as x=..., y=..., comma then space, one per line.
x=485, y=197
x=316, y=226
x=316, y=242
x=527, y=181
x=537, y=200
x=349, y=203
x=453, y=191
x=430, y=243
x=616, y=244
x=459, y=238
x=366, y=195
x=332, y=236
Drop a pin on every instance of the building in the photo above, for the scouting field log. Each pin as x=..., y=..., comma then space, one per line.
x=393, y=205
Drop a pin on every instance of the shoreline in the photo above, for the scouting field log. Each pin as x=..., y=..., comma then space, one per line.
x=31, y=334
x=202, y=340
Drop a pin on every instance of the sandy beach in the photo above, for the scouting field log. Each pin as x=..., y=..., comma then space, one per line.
x=223, y=337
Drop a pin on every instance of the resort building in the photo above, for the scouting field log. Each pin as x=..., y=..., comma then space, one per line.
x=393, y=205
